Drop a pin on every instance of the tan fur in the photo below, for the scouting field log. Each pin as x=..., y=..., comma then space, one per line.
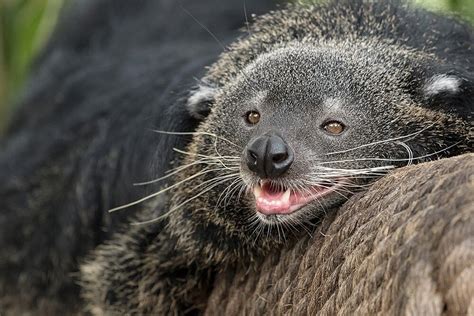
x=406, y=247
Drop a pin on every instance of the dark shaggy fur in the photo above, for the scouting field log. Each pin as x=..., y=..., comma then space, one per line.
x=392, y=72
x=399, y=77
x=113, y=71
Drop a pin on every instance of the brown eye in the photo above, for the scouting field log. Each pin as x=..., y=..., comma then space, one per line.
x=252, y=117
x=334, y=127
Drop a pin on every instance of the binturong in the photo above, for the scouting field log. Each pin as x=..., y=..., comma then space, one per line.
x=312, y=105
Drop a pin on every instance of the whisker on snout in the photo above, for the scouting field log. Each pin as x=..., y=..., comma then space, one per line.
x=222, y=168
x=203, y=172
x=174, y=171
x=210, y=185
x=404, y=138
x=197, y=134
x=411, y=158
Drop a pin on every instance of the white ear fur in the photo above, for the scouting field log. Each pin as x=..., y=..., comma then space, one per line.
x=442, y=83
x=198, y=101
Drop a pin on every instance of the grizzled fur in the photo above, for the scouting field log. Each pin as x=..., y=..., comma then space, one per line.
x=113, y=71
x=406, y=247
x=401, y=80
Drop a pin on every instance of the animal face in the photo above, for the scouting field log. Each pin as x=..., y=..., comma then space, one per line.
x=303, y=127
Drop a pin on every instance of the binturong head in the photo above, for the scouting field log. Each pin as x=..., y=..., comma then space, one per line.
x=303, y=127
x=295, y=127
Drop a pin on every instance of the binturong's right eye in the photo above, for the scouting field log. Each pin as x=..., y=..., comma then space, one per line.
x=252, y=117
x=334, y=127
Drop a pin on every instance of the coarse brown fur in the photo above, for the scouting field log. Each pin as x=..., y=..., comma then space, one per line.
x=406, y=247
x=407, y=89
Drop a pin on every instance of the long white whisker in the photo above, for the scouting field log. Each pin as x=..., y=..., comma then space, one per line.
x=380, y=142
x=179, y=169
x=196, y=134
x=227, y=192
x=391, y=159
x=205, y=171
x=180, y=205
x=410, y=152
x=232, y=158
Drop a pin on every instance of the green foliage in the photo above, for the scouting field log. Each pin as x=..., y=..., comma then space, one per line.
x=463, y=7
x=24, y=27
x=26, y=24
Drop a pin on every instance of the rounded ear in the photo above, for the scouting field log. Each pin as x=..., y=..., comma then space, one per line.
x=201, y=99
x=452, y=91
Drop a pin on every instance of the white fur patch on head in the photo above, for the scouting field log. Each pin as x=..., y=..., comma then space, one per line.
x=442, y=83
x=334, y=103
x=198, y=100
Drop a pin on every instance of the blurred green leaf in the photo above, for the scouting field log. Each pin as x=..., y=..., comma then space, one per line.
x=24, y=27
x=465, y=8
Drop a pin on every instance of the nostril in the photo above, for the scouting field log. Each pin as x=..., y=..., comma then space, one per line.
x=279, y=158
x=253, y=155
x=252, y=158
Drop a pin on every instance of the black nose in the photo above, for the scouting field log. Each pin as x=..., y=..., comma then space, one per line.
x=269, y=156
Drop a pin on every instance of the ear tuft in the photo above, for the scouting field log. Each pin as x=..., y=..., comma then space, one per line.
x=200, y=100
x=451, y=92
x=442, y=84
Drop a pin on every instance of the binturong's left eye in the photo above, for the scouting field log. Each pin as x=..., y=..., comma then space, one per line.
x=252, y=117
x=334, y=127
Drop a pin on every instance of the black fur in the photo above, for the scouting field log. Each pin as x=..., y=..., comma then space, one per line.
x=379, y=64
x=114, y=70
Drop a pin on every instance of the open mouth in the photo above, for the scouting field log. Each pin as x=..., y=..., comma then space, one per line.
x=274, y=200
